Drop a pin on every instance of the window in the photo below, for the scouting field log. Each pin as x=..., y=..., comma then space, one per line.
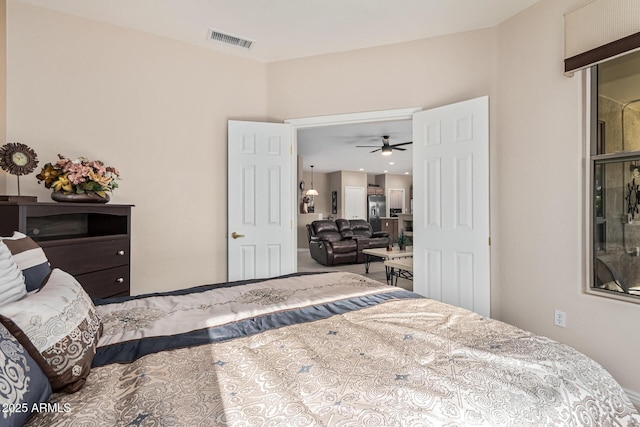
x=615, y=175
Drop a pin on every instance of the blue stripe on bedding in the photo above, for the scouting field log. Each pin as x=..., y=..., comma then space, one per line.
x=131, y=350
x=196, y=289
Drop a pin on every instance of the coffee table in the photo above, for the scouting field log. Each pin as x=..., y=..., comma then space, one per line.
x=399, y=267
x=384, y=255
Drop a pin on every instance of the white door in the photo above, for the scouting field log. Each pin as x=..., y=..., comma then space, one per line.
x=354, y=203
x=260, y=194
x=451, y=204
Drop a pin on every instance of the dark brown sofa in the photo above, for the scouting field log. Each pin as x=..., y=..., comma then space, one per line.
x=342, y=241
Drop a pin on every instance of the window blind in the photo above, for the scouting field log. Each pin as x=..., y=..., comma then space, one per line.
x=600, y=30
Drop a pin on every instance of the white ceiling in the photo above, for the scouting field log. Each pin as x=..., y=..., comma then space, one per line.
x=286, y=29
x=333, y=148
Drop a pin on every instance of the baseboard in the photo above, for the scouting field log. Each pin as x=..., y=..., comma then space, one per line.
x=634, y=396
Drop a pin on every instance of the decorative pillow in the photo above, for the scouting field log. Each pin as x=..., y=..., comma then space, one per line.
x=12, y=286
x=59, y=328
x=22, y=382
x=30, y=258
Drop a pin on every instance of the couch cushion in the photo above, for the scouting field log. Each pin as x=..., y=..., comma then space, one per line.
x=344, y=227
x=344, y=246
x=323, y=225
x=326, y=229
x=360, y=227
x=378, y=242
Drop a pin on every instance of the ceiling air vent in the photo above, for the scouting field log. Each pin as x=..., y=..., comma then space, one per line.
x=229, y=39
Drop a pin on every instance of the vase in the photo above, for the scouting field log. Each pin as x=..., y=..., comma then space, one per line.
x=59, y=196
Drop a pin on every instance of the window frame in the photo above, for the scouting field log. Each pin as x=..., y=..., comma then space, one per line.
x=590, y=147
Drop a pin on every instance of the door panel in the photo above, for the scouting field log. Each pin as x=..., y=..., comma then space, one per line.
x=260, y=194
x=451, y=200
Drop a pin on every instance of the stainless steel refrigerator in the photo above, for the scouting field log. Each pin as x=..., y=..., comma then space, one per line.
x=376, y=208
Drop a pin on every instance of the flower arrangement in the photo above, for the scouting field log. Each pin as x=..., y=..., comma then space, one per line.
x=79, y=176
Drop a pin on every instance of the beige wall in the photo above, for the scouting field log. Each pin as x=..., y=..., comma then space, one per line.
x=322, y=202
x=156, y=109
x=539, y=235
x=422, y=73
x=79, y=87
x=3, y=87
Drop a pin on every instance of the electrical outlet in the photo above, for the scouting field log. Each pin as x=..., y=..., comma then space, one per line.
x=560, y=318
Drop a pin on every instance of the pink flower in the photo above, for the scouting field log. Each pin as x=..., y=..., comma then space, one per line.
x=113, y=170
x=82, y=170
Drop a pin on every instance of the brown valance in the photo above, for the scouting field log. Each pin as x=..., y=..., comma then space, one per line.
x=600, y=30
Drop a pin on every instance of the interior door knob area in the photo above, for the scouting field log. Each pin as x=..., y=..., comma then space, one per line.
x=236, y=235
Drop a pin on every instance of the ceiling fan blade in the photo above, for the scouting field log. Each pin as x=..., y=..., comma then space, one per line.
x=393, y=147
x=376, y=150
x=404, y=143
x=367, y=146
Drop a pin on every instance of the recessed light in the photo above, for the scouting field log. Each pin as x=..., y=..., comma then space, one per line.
x=386, y=171
x=361, y=169
x=391, y=163
x=406, y=173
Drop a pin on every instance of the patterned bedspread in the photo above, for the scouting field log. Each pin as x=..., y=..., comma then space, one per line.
x=333, y=349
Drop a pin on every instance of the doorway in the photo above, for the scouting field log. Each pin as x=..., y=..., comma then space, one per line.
x=454, y=270
x=338, y=120
x=354, y=203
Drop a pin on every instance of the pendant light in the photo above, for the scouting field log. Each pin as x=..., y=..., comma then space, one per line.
x=312, y=191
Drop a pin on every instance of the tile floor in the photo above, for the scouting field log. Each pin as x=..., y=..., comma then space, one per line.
x=376, y=269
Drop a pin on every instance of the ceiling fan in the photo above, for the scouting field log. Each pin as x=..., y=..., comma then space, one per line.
x=387, y=148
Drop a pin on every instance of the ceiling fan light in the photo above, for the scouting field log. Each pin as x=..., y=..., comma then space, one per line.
x=386, y=151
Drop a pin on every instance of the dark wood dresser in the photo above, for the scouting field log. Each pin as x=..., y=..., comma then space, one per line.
x=89, y=241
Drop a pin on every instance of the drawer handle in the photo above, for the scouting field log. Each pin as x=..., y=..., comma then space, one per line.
x=120, y=280
x=120, y=253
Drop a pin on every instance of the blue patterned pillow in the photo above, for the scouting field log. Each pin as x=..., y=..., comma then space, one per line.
x=59, y=327
x=30, y=258
x=22, y=382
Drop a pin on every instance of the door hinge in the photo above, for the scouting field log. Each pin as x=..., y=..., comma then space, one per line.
x=489, y=241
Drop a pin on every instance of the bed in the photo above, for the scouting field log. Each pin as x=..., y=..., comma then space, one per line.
x=332, y=349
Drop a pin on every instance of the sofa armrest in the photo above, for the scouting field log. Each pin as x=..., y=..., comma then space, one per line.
x=380, y=234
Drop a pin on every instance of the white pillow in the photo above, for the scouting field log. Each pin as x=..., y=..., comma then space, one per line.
x=12, y=286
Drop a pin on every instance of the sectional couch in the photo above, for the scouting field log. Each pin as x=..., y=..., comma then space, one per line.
x=342, y=241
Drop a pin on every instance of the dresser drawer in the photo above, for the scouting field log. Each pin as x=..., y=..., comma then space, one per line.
x=106, y=283
x=87, y=256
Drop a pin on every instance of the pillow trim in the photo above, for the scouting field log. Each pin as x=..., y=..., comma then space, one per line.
x=58, y=380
